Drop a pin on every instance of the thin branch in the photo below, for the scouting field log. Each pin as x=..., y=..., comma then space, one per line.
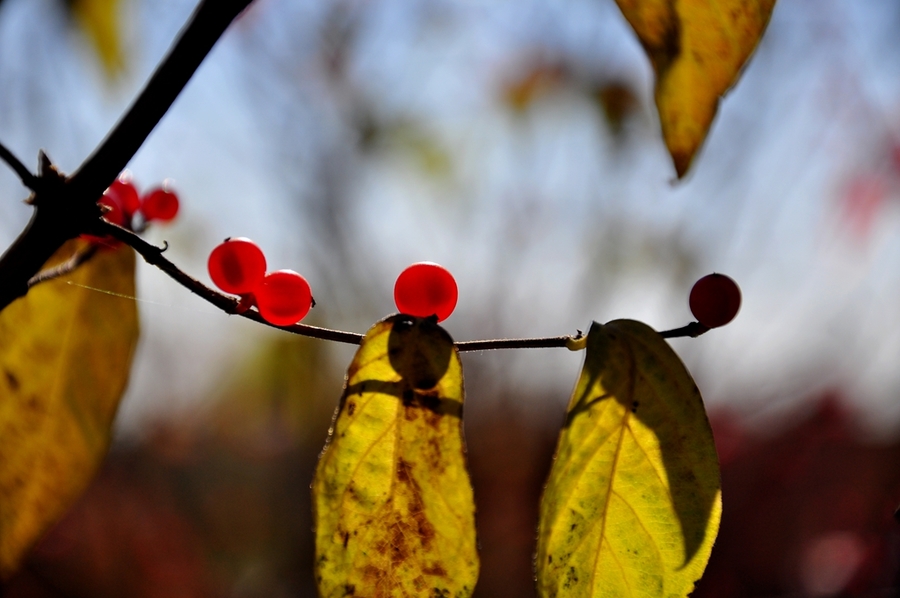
x=28, y=179
x=693, y=330
x=153, y=255
x=64, y=268
x=521, y=343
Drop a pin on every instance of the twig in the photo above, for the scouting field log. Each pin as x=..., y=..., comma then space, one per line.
x=64, y=268
x=153, y=255
x=520, y=343
x=28, y=179
x=693, y=330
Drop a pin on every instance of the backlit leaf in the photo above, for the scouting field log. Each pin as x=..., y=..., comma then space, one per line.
x=393, y=506
x=697, y=48
x=633, y=502
x=100, y=21
x=65, y=356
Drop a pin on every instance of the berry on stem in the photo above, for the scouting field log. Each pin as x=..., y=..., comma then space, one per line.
x=160, y=204
x=237, y=266
x=283, y=297
x=426, y=289
x=715, y=300
x=125, y=194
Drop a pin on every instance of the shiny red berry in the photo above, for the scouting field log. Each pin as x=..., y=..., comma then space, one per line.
x=160, y=204
x=125, y=194
x=715, y=300
x=283, y=297
x=237, y=266
x=426, y=289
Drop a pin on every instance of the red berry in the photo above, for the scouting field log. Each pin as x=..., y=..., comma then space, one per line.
x=426, y=289
x=715, y=300
x=123, y=192
x=160, y=204
x=283, y=297
x=237, y=266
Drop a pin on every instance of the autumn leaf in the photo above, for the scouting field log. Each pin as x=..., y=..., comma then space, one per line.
x=392, y=500
x=65, y=356
x=100, y=21
x=633, y=502
x=697, y=48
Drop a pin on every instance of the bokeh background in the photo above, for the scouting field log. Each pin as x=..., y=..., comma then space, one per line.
x=517, y=144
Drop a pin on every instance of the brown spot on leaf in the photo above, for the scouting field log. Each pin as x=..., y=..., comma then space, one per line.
x=12, y=380
x=436, y=569
x=351, y=407
x=423, y=528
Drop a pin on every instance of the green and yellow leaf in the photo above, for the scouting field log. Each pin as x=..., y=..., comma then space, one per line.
x=697, y=48
x=633, y=502
x=392, y=500
x=65, y=356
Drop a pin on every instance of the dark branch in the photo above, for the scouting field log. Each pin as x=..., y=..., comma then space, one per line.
x=693, y=330
x=65, y=208
x=52, y=224
x=64, y=268
x=206, y=26
x=28, y=179
x=518, y=343
x=154, y=255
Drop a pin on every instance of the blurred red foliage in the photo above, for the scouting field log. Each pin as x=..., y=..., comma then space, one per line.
x=193, y=511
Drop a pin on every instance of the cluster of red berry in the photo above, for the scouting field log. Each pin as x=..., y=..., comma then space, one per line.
x=238, y=266
x=424, y=289
x=123, y=203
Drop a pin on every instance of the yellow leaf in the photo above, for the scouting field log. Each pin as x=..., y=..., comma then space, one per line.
x=633, y=502
x=65, y=355
x=100, y=20
x=697, y=48
x=392, y=500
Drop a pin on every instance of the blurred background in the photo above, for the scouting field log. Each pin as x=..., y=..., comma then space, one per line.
x=517, y=144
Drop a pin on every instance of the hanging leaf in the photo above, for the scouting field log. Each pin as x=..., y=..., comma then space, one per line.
x=65, y=355
x=697, y=49
x=100, y=21
x=633, y=502
x=393, y=507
